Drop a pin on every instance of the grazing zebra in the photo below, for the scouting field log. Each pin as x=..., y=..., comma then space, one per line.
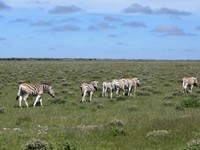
x=132, y=83
x=188, y=82
x=120, y=84
x=88, y=88
x=106, y=87
x=26, y=89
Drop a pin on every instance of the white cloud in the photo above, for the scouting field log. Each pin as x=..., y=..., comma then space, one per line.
x=107, y=6
x=171, y=30
x=137, y=8
x=65, y=9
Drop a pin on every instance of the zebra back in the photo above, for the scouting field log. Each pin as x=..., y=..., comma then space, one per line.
x=85, y=87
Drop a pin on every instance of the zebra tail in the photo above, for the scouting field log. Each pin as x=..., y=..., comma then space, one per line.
x=19, y=92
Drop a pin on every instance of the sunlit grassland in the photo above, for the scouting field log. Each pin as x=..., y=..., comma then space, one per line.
x=117, y=124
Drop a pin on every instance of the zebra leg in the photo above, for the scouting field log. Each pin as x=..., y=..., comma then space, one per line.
x=129, y=91
x=41, y=102
x=25, y=100
x=83, y=97
x=103, y=92
x=191, y=87
x=36, y=100
x=117, y=92
x=111, y=94
x=91, y=96
x=20, y=101
x=106, y=92
x=184, y=88
x=134, y=90
x=123, y=92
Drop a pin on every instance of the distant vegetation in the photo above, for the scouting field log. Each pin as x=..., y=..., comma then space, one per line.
x=158, y=117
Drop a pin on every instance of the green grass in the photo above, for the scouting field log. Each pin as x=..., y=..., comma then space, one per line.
x=118, y=124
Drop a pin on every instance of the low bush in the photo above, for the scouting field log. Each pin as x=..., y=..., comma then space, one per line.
x=100, y=106
x=143, y=93
x=179, y=107
x=57, y=100
x=158, y=135
x=192, y=145
x=167, y=103
x=37, y=144
x=119, y=131
x=191, y=102
x=121, y=98
x=23, y=120
x=133, y=108
x=116, y=123
x=69, y=145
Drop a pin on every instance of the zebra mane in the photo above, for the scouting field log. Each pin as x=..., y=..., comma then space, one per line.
x=45, y=87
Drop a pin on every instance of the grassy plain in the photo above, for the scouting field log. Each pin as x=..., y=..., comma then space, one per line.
x=154, y=119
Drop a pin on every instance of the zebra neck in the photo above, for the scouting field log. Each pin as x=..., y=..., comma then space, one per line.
x=45, y=87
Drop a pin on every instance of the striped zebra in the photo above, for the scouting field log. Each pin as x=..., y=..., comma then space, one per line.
x=132, y=84
x=188, y=82
x=88, y=88
x=107, y=87
x=26, y=89
x=120, y=84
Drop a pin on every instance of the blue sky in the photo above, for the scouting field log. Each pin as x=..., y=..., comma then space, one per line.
x=126, y=29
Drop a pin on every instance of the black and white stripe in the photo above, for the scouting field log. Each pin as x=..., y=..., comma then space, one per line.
x=132, y=84
x=26, y=89
x=189, y=82
x=88, y=88
x=107, y=87
x=120, y=84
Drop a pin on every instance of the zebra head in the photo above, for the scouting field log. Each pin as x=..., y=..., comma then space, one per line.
x=195, y=81
x=51, y=91
x=137, y=81
x=94, y=84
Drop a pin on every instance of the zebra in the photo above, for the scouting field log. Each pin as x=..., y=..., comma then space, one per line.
x=107, y=87
x=188, y=82
x=132, y=83
x=88, y=88
x=120, y=84
x=26, y=89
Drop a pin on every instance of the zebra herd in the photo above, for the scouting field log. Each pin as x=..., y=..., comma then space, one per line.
x=127, y=85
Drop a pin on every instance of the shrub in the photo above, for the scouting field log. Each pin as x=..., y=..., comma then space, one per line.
x=167, y=103
x=133, y=108
x=168, y=97
x=179, y=107
x=116, y=128
x=68, y=145
x=158, y=135
x=193, y=145
x=121, y=98
x=143, y=93
x=119, y=131
x=23, y=120
x=36, y=144
x=65, y=91
x=66, y=84
x=191, y=102
x=100, y=106
x=57, y=100
x=116, y=123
